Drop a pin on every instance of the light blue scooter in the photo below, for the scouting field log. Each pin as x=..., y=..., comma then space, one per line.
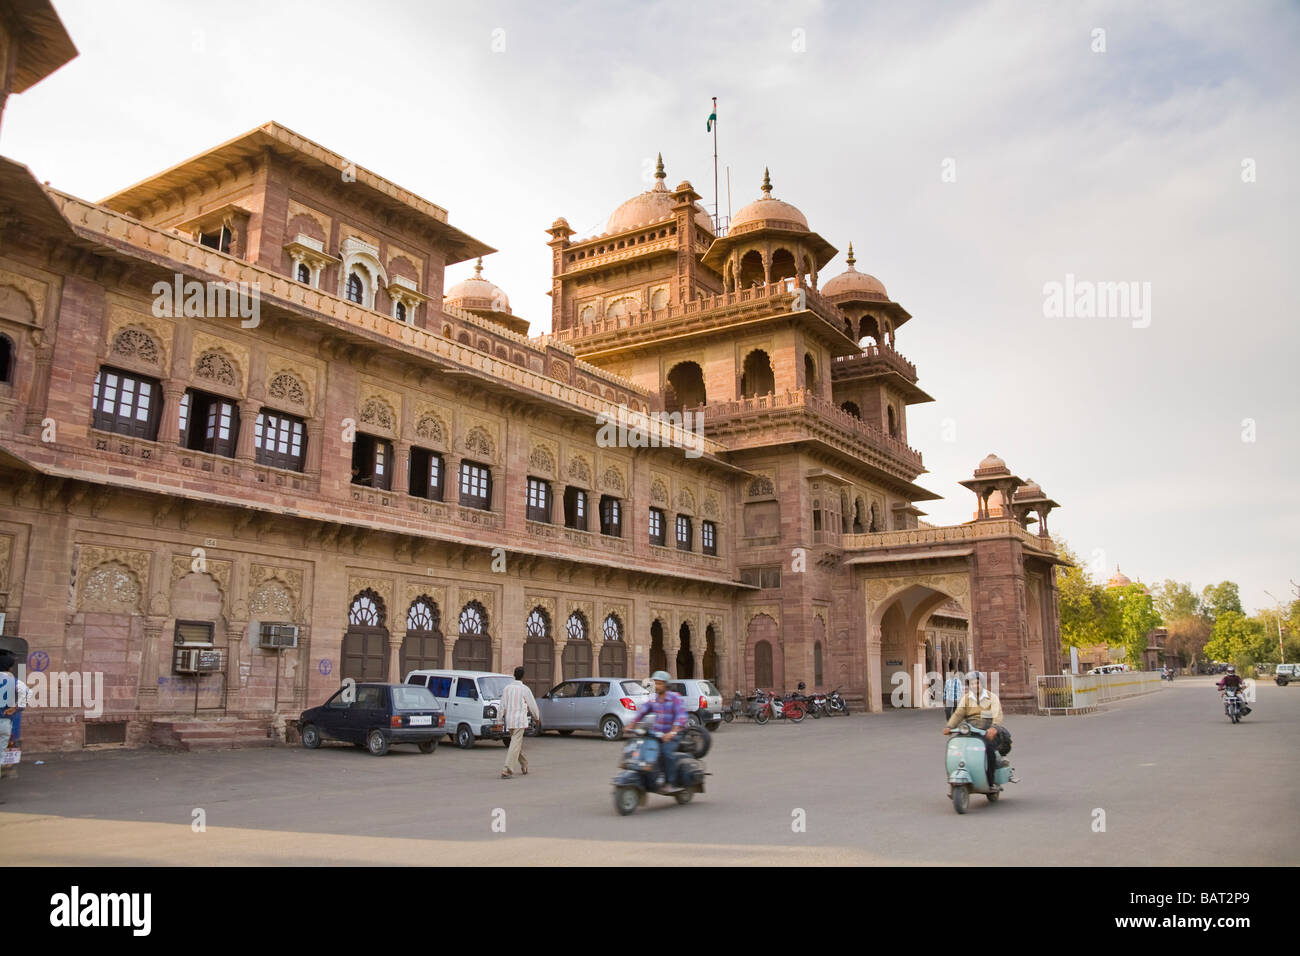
x=966, y=773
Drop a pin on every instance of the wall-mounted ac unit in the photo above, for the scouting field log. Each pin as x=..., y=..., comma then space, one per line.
x=186, y=661
x=278, y=635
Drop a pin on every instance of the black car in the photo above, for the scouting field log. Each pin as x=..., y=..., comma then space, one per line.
x=376, y=716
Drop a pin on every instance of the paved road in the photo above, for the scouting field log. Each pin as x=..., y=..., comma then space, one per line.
x=1174, y=777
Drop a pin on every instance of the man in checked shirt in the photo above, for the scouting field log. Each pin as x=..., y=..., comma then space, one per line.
x=669, y=712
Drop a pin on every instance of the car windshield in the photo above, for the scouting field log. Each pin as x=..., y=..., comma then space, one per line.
x=491, y=687
x=411, y=697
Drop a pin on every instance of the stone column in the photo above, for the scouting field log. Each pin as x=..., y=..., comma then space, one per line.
x=245, y=449
x=401, y=482
x=315, y=447
x=169, y=432
x=395, y=641
x=40, y=387
x=873, y=695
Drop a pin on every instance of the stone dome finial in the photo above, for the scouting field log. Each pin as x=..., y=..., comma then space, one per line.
x=851, y=258
x=659, y=168
x=767, y=184
x=478, y=268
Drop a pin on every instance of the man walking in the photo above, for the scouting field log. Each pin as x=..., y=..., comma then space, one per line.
x=952, y=690
x=518, y=702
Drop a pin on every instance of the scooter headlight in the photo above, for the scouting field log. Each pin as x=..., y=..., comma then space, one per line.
x=961, y=763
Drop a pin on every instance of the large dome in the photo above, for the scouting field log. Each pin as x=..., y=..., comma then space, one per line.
x=768, y=212
x=653, y=205
x=477, y=293
x=858, y=284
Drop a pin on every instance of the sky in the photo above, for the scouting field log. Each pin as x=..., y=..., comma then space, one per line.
x=973, y=153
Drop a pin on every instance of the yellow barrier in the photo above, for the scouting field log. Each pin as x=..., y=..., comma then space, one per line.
x=1081, y=693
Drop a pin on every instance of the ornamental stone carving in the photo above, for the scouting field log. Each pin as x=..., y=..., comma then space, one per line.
x=956, y=585
x=579, y=470
x=612, y=480
x=116, y=587
x=710, y=506
x=431, y=427
x=659, y=492
x=762, y=610
x=542, y=460
x=271, y=599
x=215, y=367
x=377, y=412
x=486, y=598
x=685, y=502
x=381, y=586
x=546, y=603
x=479, y=442
x=22, y=299
x=760, y=486
x=149, y=341
x=136, y=344
x=286, y=388
x=417, y=588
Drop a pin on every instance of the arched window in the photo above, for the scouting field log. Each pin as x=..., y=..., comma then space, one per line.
x=539, y=652
x=577, y=652
x=613, y=652
x=8, y=356
x=473, y=620
x=355, y=288
x=365, y=644
x=763, y=664
x=613, y=628
x=577, y=627
x=685, y=387
x=809, y=372
x=304, y=274
x=473, y=648
x=756, y=377
x=538, y=625
x=399, y=312
x=852, y=409
x=365, y=611
x=893, y=422
x=422, y=645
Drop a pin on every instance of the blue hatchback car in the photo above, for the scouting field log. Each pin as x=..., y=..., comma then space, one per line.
x=376, y=716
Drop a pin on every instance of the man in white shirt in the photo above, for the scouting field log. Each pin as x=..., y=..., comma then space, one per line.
x=517, y=702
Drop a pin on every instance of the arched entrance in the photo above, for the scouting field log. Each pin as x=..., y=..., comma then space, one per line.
x=576, y=659
x=422, y=645
x=658, y=658
x=473, y=648
x=685, y=387
x=365, y=645
x=763, y=660
x=897, y=672
x=710, y=661
x=685, y=659
x=756, y=377
x=613, y=649
x=539, y=652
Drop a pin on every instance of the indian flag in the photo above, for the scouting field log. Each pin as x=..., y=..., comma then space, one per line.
x=713, y=117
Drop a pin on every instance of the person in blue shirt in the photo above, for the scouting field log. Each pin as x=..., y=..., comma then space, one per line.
x=669, y=712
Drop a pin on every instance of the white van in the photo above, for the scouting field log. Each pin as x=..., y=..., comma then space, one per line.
x=471, y=701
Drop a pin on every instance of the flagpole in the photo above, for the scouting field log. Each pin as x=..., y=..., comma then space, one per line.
x=716, y=219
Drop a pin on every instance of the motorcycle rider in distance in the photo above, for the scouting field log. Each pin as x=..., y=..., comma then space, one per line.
x=981, y=708
x=669, y=711
x=1232, y=680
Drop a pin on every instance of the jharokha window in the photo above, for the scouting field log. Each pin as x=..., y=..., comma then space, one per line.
x=279, y=440
x=475, y=485
x=372, y=462
x=575, y=508
x=126, y=404
x=539, y=500
x=426, y=474
x=683, y=533
x=355, y=289
x=611, y=516
x=709, y=537
x=304, y=274
x=209, y=423
x=657, y=532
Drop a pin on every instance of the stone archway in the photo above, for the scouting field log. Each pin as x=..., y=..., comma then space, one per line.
x=365, y=644
x=685, y=657
x=764, y=659
x=658, y=656
x=898, y=610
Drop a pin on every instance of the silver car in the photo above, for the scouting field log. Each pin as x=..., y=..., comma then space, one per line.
x=601, y=705
x=703, y=701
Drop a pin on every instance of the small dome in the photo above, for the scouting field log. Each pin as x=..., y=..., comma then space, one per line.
x=768, y=211
x=992, y=465
x=1030, y=489
x=855, y=284
x=653, y=205
x=1120, y=580
x=477, y=293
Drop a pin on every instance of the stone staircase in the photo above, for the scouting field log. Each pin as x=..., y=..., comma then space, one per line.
x=210, y=733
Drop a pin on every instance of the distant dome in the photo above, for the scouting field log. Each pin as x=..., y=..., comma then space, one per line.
x=853, y=283
x=768, y=212
x=1120, y=580
x=992, y=465
x=653, y=205
x=1030, y=489
x=477, y=293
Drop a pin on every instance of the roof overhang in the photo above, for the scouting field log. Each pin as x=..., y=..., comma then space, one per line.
x=43, y=42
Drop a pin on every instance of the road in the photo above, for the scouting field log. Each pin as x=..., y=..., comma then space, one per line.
x=1175, y=779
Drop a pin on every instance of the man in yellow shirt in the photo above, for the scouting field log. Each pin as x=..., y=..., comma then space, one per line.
x=981, y=708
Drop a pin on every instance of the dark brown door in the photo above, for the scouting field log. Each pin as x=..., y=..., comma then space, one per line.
x=613, y=659
x=577, y=659
x=539, y=665
x=365, y=653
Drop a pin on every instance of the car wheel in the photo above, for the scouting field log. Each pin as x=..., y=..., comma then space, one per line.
x=377, y=743
x=625, y=800
x=310, y=737
x=712, y=726
x=464, y=737
x=611, y=728
x=429, y=746
x=564, y=733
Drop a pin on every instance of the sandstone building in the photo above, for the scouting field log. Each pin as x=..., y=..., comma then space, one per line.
x=250, y=444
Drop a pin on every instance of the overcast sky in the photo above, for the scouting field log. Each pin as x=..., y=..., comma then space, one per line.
x=1127, y=165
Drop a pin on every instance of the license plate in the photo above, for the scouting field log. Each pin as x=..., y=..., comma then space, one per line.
x=421, y=720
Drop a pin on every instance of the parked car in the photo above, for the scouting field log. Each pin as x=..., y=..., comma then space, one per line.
x=1285, y=673
x=471, y=701
x=376, y=716
x=600, y=705
x=703, y=701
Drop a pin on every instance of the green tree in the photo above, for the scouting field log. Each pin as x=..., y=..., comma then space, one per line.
x=1176, y=600
x=1235, y=638
x=1187, y=637
x=1221, y=598
x=1136, y=616
x=1084, y=605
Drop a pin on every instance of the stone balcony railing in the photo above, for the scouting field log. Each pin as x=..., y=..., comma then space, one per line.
x=951, y=534
x=803, y=399
x=870, y=361
x=778, y=296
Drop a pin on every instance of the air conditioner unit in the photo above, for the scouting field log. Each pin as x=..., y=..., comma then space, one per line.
x=186, y=661
x=279, y=635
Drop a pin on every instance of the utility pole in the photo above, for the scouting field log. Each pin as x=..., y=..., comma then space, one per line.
x=1280, y=650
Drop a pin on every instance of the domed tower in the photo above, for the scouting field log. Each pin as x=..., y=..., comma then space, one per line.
x=877, y=384
x=768, y=240
x=484, y=299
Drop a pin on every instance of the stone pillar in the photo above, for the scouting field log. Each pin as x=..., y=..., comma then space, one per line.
x=315, y=447
x=40, y=387
x=874, y=691
x=395, y=641
x=401, y=482
x=169, y=432
x=245, y=449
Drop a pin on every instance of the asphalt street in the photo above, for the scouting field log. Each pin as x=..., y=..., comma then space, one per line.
x=1174, y=779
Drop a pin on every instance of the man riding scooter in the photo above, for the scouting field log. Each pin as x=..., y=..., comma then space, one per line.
x=1232, y=680
x=669, y=711
x=981, y=708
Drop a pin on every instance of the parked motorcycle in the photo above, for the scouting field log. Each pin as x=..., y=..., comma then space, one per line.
x=641, y=773
x=836, y=704
x=770, y=705
x=967, y=772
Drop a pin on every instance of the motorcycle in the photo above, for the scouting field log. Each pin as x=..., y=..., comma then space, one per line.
x=967, y=772
x=1234, y=705
x=641, y=773
x=836, y=704
x=768, y=706
x=1167, y=675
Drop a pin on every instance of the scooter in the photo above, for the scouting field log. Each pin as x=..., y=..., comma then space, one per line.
x=641, y=770
x=966, y=767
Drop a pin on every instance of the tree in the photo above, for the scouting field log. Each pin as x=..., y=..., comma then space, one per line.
x=1236, y=638
x=1187, y=637
x=1086, y=609
x=1137, y=616
x=1176, y=600
x=1221, y=598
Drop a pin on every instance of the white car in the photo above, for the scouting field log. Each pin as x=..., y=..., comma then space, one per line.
x=703, y=701
x=471, y=701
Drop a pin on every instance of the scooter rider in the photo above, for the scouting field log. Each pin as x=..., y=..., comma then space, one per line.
x=669, y=710
x=981, y=708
